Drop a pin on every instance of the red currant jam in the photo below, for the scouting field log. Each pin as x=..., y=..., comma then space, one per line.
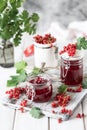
x=72, y=71
x=42, y=88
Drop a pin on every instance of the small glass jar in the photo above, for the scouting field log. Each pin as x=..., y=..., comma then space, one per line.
x=71, y=70
x=45, y=53
x=39, y=88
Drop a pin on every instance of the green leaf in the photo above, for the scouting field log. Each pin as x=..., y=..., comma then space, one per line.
x=81, y=43
x=13, y=13
x=32, y=29
x=35, y=17
x=21, y=74
x=36, y=71
x=7, y=18
x=17, y=38
x=36, y=112
x=20, y=66
x=14, y=23
x=3, y=4
x=24, y=15
x=84, y=83
x=27, y=27
x=62, y=88
x=16, y=3
x=15, y=80
x=22, y=77
x=6, y=34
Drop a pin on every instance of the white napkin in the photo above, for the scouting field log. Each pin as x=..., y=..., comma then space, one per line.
x=77, y=29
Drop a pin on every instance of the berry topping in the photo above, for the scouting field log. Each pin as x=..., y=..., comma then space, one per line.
x=47, y=39
x=38, y=80
x=70, y=49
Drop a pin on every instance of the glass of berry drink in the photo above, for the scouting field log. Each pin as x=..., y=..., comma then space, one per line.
x=39, y=88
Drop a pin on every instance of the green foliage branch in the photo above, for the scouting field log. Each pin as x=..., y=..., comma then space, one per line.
x=14, y=23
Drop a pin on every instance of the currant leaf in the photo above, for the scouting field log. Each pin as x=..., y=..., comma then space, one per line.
x=36, y=112
x=15, y=80
x=36, y=71
x=62, y=89
x=35, y=17
x=84, y=83
x=2, y=5
x=20, y=66
x=81, y=43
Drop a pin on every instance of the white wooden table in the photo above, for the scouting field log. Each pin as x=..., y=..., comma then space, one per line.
x=11, y=119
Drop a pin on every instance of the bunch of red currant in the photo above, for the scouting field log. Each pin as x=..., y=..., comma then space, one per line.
x=16, y=92
x=70, y=49
x=47, y=39
x=61, y=100
x=23, y=104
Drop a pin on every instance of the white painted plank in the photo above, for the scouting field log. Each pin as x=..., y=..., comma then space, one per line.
x=6, y=114
x=25, y=121
x=77, y=110
x=72, y=124
x=85, y=105
x=6, y=118
x=85, y=123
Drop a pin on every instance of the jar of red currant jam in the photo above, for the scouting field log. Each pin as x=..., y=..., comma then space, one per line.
x=39, y=88
x=71, y=70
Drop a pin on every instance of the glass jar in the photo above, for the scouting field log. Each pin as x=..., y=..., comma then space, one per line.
x=46, y=53
x=6, y=54
x=71, y=70
x=39, y=88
